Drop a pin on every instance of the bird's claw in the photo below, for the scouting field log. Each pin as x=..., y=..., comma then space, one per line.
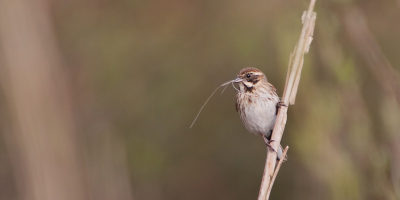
x=269, y=145
x=281, y=104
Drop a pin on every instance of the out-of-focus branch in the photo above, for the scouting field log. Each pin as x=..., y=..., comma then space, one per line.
x=362, y=38
x=289, y=94
x=43, y=143
x=356, y=26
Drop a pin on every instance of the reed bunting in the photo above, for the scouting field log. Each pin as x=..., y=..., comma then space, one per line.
x=257, y=104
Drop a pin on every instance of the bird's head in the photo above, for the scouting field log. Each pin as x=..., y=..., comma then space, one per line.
x=249, y=78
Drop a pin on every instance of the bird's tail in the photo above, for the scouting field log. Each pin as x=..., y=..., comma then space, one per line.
x=280, y=153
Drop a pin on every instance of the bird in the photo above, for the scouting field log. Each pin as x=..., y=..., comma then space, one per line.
x=257, y=104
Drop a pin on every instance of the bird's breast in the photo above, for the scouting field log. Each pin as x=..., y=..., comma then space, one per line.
x=258, y=113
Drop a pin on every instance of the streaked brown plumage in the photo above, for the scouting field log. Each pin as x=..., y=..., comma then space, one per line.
x=256, y=102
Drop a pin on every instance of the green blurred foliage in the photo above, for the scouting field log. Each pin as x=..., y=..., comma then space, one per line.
x=142, y=69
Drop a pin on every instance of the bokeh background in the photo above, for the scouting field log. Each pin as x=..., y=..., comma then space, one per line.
x=97, y=97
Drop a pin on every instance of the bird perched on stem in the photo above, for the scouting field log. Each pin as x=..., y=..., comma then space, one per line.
x=257, y=104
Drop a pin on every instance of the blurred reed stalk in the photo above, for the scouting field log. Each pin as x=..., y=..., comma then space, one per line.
x=356, y=25
x=41, y=134
x=292, y=82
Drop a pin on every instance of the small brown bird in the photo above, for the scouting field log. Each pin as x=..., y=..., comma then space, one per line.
x=257, y=104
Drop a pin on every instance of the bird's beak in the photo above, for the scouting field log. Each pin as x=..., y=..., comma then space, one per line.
x=238, y=80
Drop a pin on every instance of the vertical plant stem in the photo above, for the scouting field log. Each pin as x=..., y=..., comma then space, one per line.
x=289, y=93
x=276, y=171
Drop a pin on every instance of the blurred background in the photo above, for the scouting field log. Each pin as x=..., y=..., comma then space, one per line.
x=97, y=97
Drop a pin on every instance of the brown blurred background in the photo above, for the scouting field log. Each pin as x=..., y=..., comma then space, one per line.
x=97, y=98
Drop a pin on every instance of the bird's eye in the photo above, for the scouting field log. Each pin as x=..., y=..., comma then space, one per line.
x=248, y=75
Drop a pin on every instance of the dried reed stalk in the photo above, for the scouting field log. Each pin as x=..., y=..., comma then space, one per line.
x=42, y=142
x=289, y=94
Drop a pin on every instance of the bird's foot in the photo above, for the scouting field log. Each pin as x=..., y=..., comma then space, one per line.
x=267, y=142
x=281, y=103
